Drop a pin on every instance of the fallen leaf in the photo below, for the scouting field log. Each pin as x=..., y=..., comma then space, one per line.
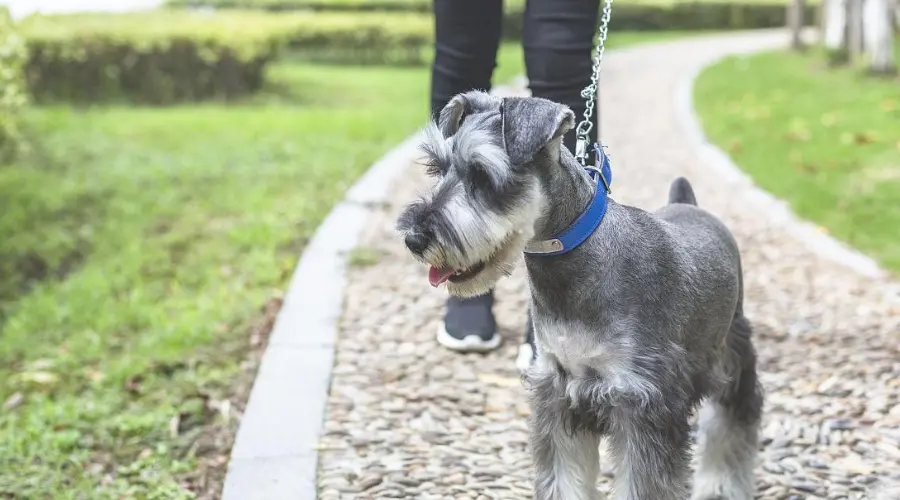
x=174, y=423
x=889, y=104
x=800, y=135
x=809, y=168
x=133, y=383
x=864, y=138
x=498, y=380
x=41, y=378
x=41, y=364
x=14, y=401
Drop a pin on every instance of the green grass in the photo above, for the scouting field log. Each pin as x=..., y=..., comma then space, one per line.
x=172, y=228
x=825, y=140
x=143, y=255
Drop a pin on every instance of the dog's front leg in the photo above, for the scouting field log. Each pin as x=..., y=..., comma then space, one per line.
x=652, y=445
x=566, y=462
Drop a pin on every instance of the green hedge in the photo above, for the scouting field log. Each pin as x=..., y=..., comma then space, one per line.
x=315, y=5
x=628, y=15
x=166, y=56
x=13, y=94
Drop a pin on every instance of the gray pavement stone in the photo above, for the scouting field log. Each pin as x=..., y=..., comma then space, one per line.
x=284, y=412
x=271, y=478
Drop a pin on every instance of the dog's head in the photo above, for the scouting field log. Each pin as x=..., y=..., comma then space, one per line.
x=487, y=154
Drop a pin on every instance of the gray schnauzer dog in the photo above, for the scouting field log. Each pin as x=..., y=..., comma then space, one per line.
x=636, y=327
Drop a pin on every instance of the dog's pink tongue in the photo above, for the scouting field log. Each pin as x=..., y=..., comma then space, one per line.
x=437, y=276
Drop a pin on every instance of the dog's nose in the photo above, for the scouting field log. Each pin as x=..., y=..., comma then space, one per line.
x=416, y=242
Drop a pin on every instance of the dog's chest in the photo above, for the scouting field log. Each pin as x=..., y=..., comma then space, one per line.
x=589, y=356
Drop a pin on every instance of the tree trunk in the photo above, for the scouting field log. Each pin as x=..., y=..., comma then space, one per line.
x=835, y=24
x=855, y=29
x=835, y=38
x=878, y=35
x=795, y=22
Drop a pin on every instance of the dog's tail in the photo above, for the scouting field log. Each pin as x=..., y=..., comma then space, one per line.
x=681, y=192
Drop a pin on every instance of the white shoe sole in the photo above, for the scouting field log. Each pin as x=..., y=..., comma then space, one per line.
x=471, y=343
x=525, y=357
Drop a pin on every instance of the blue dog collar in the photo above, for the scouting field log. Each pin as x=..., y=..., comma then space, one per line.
x=588, y=221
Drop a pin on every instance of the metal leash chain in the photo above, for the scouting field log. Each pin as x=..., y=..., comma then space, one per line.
x=589, y=94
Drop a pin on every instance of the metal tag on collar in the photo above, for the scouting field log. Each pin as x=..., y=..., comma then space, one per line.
x=544, y=246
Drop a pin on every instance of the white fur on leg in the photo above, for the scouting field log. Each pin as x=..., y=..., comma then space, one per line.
x=726, y=456
x=576, y=464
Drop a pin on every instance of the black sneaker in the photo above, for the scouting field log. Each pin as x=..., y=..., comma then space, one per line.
x=528, y=350
x=469, y=325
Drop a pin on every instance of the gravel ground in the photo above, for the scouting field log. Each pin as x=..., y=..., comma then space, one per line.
x=409, y=419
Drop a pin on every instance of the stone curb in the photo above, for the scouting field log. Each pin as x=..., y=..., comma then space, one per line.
x=732, y=176
x=275, y=452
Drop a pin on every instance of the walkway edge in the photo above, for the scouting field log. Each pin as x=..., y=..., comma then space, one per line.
x=275, y=453
x=775, y=208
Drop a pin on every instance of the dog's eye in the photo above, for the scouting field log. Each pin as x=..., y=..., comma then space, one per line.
x=479, y=178
x=433, y=168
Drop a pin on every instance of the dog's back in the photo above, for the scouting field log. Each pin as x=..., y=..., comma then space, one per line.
x=692, y=225
x=709, y=246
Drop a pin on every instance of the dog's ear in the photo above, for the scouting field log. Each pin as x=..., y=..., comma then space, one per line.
x=530, y=124
x=452, y=114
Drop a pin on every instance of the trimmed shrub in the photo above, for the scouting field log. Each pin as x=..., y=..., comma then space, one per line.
x=314, y=5
x=164, y=57
x=157, y=58
x=682, y=16
x=358, y=38
x=13, y=95
x=634, y=15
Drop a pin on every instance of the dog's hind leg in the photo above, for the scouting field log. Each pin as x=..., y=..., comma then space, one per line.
x=729, y=426
x=566, y=460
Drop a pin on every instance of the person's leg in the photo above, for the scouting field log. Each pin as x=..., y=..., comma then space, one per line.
x=467, y=36
x=558, y=38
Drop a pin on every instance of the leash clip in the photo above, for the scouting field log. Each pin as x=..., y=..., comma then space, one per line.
x=581, y=150
x=603, y=172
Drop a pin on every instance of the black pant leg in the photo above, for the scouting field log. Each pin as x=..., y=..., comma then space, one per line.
x=558, y=41
x=467, y=36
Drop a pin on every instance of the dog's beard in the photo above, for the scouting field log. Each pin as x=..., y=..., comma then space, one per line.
x=487, y=247
x=470, y=271
x=499, y=266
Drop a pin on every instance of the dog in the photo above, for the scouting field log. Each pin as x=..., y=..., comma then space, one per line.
x=636, y=328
